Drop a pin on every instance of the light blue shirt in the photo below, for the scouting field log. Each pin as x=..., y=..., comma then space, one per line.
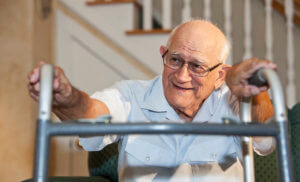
x=169, y=157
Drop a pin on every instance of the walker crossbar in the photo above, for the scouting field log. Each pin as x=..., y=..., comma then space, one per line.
x=46, y=129
x=87, y=129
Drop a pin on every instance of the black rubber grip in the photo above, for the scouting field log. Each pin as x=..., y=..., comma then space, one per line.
x=257, y=79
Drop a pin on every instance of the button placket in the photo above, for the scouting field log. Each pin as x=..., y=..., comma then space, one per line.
x=214, y=156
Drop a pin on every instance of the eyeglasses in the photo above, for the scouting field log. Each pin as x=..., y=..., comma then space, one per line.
x=195, y=69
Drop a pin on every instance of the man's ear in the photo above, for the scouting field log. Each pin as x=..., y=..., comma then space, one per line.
x=222, y=75
x=162, y=50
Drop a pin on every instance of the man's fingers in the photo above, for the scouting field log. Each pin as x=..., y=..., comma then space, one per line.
x=256, y=64
x=56, y=72
x=33, y=88
x=36, y=87
x=34, y=94
x=55, y=84
x=60, y=83
x=61, y=86
x=247, y=91
x=254, y=90
x=237, y=77
x=41, y=63
x=34, y=75
x=35, y=97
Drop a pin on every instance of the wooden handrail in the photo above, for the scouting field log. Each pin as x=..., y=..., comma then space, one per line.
x=280, y=8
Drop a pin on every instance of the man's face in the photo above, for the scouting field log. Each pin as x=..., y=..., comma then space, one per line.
x=182, y=89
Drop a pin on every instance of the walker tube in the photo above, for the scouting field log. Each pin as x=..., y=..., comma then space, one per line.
x=42, y=139
x=283, y=139
x=245, y=116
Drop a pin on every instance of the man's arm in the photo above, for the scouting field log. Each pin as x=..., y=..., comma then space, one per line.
x=68, y=102
x=81, y=107
x=262, y=108
x=237, y=80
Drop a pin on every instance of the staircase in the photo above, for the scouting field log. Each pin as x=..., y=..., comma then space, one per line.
x=119, y=24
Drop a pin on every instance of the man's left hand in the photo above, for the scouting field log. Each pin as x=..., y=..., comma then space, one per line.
x=237, y=77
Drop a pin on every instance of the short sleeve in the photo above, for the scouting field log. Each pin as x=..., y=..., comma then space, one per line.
x=117, y=99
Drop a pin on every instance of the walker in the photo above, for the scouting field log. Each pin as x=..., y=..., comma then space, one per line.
x=278, y=129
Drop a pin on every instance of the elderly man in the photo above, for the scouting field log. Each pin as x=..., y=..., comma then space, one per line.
x=190, y=89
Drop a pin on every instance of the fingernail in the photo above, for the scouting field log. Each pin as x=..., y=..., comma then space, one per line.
x=31, y=78
x=55, y=84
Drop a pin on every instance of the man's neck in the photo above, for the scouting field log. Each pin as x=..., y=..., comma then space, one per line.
x=188, y=114
x=184, y=116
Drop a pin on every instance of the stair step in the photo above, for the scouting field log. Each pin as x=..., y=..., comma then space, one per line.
x=105, y=2
x=156, y=25
x=143, y=32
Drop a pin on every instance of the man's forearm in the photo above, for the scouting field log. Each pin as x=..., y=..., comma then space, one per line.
x=262, y=108
x=81, y=106
x=76, y=109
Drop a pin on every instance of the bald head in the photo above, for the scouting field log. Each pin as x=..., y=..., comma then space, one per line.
x=202, y=34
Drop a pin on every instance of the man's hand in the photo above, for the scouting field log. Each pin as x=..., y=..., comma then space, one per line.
x=237, y=80
x=62, y=88
x=68, y=102
x=237, y=77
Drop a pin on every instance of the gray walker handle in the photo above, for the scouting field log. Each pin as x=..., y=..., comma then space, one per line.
x=246, y=143
x=42, y=138
x=260, y=78
x=280, y=114
x=246, y=117
x=45, y=100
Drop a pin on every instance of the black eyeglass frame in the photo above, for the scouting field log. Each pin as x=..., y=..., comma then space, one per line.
x=206, y=71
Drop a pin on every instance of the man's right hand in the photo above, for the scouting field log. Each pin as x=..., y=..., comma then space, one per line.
x=68, y=102
x=62, y=88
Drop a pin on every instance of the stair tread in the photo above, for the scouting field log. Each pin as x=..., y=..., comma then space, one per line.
x=105, y=2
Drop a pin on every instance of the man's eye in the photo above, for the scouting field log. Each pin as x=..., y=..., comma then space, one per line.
x=175, y=61
x=196, y=67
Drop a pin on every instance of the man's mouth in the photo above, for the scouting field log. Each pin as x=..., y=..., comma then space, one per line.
x=182, y=88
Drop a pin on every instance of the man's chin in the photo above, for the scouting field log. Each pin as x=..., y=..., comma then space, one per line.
x=179, y=104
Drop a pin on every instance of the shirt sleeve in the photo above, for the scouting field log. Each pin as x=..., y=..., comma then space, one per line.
x=118, y=105
x=117, y=99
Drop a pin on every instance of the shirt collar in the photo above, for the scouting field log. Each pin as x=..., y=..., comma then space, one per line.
x=154, y=98
x=209, y=106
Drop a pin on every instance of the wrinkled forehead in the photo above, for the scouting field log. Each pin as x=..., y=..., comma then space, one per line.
x=205, y=50
x=198, y=38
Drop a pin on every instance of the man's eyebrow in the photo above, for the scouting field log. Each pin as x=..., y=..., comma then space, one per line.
x=176, y=54
x=195, y=60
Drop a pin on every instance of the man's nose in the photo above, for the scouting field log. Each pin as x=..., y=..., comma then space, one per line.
x=183, y=74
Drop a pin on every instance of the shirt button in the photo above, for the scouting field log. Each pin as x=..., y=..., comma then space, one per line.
x=147, y=158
